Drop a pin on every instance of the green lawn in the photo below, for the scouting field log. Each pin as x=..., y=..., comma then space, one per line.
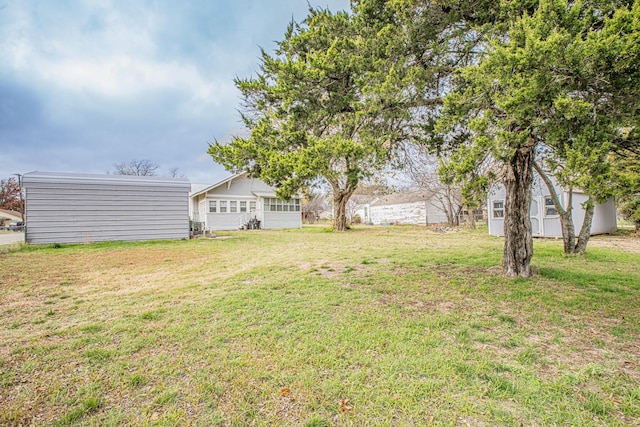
x=379, y=326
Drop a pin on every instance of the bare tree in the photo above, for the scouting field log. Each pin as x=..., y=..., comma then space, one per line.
x=142, y=167
x=175, y=173
x=315, y=202
x=421, y=168
x=10, y=195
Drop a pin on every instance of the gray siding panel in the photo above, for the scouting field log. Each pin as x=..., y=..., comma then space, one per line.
x=76, y=208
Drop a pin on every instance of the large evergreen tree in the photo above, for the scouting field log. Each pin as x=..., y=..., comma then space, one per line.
x=312, y=114
x=626, y=172
x=543, y=83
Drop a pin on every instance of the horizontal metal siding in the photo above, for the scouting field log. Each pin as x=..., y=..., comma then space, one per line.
x=77, y=211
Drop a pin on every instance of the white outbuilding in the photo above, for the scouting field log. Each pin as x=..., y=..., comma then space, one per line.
x=545, y=221
x=84, y=208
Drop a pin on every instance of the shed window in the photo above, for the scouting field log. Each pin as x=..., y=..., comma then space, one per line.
x=223, y=206
x=549, y=207
x=212, y=206
x=498, y=208
x=233, y=206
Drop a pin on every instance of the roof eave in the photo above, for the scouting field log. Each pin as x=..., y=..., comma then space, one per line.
x=217, y=184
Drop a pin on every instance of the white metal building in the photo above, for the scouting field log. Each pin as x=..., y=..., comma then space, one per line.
x=84, y=208
x=545, y=221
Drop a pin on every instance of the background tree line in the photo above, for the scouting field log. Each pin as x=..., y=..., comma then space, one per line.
x=10, y=195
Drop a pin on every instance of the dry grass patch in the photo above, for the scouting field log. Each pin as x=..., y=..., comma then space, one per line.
x=378, y=326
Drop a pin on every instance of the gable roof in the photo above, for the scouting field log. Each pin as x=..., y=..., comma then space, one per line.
x=226, y=180
x=258, y=187
x=404, y=197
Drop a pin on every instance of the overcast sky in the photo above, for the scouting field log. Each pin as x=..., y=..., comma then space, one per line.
x=87, y=84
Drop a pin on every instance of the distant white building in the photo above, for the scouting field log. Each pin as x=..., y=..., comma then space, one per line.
x=7, y=217
x=238, y=201
x=545, y=221
x=411, y=207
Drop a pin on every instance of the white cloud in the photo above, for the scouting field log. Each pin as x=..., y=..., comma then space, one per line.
x=121, y=75
x=91, y=83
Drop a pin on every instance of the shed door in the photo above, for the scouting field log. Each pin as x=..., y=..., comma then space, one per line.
x=536, y=216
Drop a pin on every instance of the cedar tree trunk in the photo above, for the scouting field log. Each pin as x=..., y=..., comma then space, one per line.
x=518, y=243
x=568, y=231
x=564, y=214
x=471, y=219
x=340, y=199
x=571, y=246
x=585, y=231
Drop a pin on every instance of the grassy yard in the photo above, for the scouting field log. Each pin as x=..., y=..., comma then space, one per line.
x=393, y=326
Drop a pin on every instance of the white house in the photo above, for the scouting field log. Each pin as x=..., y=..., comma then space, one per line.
x=7, y=217
x=239, y=200
x=411, y=207
x=545, y=221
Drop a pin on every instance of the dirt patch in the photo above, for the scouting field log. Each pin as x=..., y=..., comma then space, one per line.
x=332, y=270
x=627, y=243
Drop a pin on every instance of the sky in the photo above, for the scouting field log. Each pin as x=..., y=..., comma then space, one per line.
x=86, y=84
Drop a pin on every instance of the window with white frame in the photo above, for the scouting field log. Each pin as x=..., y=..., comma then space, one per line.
x=549, y=207
x=232, y=206
x=498, y=209
x=276, y=205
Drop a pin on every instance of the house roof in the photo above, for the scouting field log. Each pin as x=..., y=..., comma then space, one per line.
x=404, y=197
x=265, y=194
x=198, y=189
x=217, y=184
